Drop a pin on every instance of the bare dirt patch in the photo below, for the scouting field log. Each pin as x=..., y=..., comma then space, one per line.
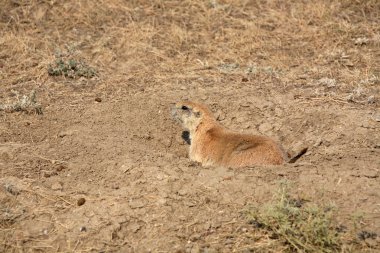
x=104, y=168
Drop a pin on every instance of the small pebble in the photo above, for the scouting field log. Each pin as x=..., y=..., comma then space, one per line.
x=348, y=63
x=49, y=173
x=136, y=203
x=371, y=100
x=56, y=186
x=81, y=201
x=376, y=117
x=60, y=167
x=329, y=82
x=12, y=189
x=83, y=229
x=98, y=99
x=361, y=41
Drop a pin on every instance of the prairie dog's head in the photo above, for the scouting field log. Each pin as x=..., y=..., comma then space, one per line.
x=190, y=114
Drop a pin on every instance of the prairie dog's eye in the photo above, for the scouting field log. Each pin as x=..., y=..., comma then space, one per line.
x=184, y=107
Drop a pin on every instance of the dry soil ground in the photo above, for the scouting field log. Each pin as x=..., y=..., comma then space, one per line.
x=304, y=72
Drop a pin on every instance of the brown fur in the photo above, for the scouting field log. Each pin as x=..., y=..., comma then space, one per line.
x=213, y=145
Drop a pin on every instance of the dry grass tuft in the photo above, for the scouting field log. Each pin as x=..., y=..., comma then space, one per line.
x=66, y=64
x=301, y=227
x=25, y=103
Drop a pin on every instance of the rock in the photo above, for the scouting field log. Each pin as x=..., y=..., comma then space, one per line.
x=371, y=173
x=376, y=117
x=126, y=167
x=136, y=203
x=220, y=115
x=182, y=192
x=60, y=167
x=265, y=127
x=303, y=77
x=195, y=249
x=279, y=112
x=167, y=142
x=134, y=227
x=350, y=98
x=65, y=133
x=209, y=250
x=190, y=203
x=12, y=189
x=348, y=63
x=47, y=173
x=229, y=241
x=81, y=201
x=195, y=237
x=5, y=157
x=361, y=41
x=161, y=201
x=371, y=99
x=57, y=186
x=328, y=82
x=204, y=97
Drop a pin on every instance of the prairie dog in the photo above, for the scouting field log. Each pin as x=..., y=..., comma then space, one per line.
x=211, y=144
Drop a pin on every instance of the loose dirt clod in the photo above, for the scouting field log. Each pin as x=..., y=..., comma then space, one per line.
x=57, y=186
x=60, y=167
x=81, y=201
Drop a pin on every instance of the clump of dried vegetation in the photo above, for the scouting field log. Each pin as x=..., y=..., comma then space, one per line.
x=67, y=65
x=302, y=227
x=25, y=103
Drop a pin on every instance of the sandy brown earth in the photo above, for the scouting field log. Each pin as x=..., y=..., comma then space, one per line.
x=304, y=72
